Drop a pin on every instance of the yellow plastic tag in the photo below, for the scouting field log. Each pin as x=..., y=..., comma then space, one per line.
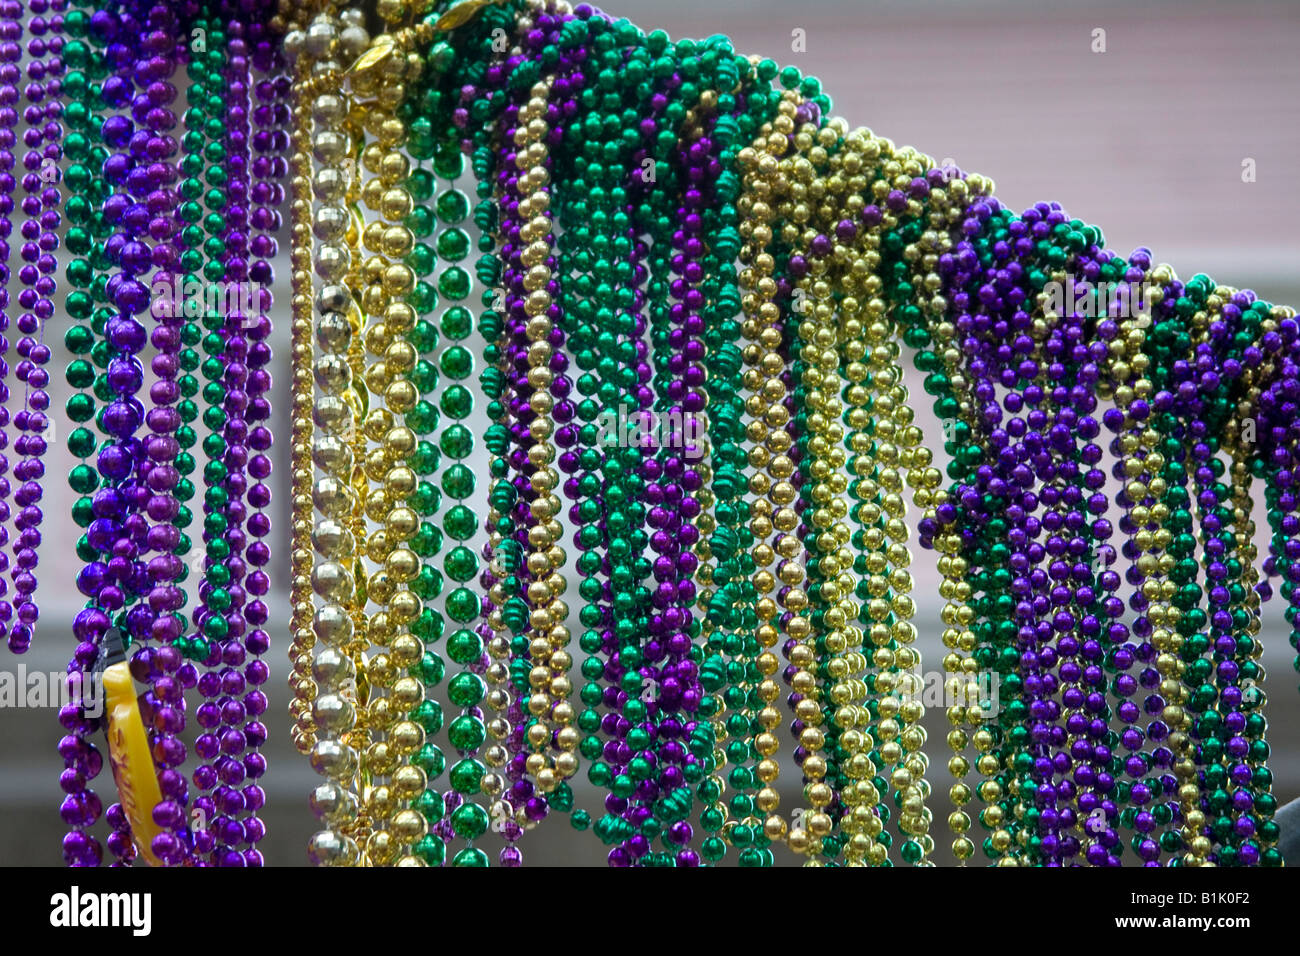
x=128, y=752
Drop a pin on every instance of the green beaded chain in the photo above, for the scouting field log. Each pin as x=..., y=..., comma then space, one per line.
x=86, y=274
x=200, y=266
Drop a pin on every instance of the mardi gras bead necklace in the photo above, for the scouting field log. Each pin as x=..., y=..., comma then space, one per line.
x=773, y=520
x=337, y=684
x=10, y=54
x=40, y=240
x=488, y=648
x=230, y=716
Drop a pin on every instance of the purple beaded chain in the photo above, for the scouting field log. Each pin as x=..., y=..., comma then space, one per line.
x=11, y=32
x=232, y=732
x=269, y=167
x=163, y=704
x=144, y=209
x=40, y=240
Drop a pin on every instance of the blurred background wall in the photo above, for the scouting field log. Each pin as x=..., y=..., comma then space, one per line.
x=1146, y=139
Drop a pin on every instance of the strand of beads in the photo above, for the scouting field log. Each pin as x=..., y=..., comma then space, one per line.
x=1100, y=843
x=672, y=484
x=512, y=518
x=726, y=595
x=1001, y=740
x=40, y=240
x=804, y=283
x=172, y=432
x=868, y=357
x=530, y=297
x=486, y=651
x=301, y=405
x=44, y=138
x=773, y=521
x=603, y=311
x=917, y=282
x=1247, y=596
x=492, y=750
x=82, y=760
x=328, y=724
x=269, y=140
x=709, y=396
x=901, y=190
x=232, y=717
x=87, y=55
x=1218, y=725
x=1272, y=402
x=651, y=749
x=1181, y=593
x=481, y=654
x=1163, y=513
x=1007, y=493
x=386, y=284
x=120, y=531
x=208, y=147
x=425, y=538
x=467, y=690
x=818, y=401
x=327, y=35
x=1123, y=380
x=604, y=322
x=500, y=609
x=243, y=733
x=164, y=704
x=525, y=800
x=11, y=31
x=990, y=560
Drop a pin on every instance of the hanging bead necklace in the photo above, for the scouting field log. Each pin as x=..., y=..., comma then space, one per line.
x=40, y=207
x=11, y=31
x=330, y=729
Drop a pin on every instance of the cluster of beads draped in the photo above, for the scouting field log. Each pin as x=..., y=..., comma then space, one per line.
x=670, y=232
x=174, y=167
x=676, y=606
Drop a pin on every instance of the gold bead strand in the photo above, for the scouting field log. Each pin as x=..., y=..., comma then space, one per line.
x=334, y=711
x=899, y=733
x=548, y=636
x=842, y=193
x=386, y=282
x=774, y=521
x=861, y=793
x=297, y=12
x=820, y=334
x=1165, y=637
x=300, y=410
